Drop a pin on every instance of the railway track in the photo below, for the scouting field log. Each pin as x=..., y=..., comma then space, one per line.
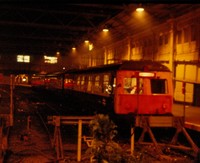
x=29, y=142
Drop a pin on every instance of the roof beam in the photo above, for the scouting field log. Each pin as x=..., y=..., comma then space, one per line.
x=86, y=14
x=49, y=26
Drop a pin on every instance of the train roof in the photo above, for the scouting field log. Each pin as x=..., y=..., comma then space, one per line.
x=143, y=66
x=125, y=65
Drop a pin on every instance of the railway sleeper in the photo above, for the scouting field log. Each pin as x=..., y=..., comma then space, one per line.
x=148, y=122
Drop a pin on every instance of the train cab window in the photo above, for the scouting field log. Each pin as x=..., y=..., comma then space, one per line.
x=133, y=85
x=158, y=86
x=129, y=83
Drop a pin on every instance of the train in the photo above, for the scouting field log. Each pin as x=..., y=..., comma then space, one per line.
x=137, y=95
x=128, y=87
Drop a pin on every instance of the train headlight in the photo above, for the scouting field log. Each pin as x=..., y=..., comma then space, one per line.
x=164, y=107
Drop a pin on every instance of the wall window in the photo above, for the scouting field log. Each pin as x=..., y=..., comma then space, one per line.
x=186, y=34
x=51, y=60
x=194, y=33
x=160, y=40
x=166, y=38
x=23, y=58
x=179, y=37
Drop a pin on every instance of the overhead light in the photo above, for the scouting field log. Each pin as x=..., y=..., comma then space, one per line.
x=106, y=28
x=86, y=41
x=140, y=8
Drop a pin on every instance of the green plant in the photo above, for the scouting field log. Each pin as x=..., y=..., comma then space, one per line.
x=104, y=148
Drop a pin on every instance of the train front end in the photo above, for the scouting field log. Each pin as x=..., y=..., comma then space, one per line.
x=144, y=91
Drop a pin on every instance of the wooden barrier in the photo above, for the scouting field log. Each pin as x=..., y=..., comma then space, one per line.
x=147, y=122
x=68, y=120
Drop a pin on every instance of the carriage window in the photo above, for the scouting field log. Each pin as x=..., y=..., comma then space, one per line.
x=106, y=87
x=82, y=82
x=97, y=80
x=97, y=85
x=78, y=80
x=158, y=86
x=89, y=87
x=68, y=83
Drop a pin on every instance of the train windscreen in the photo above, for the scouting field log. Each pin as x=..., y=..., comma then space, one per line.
x=158, y=86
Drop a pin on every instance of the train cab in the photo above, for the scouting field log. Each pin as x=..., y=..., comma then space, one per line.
x=144, y=90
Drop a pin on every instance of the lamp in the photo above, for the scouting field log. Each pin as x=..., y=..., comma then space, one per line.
x=106, y=28
x=140, y=8
x=86, y=41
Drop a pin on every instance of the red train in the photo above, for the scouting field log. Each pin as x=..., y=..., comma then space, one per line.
x=130, y=87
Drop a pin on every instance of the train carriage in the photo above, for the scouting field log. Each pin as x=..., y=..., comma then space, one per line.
x=130, y=87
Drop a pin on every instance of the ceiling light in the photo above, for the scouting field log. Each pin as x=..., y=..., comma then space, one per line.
x=105, y=28
x=140, y=8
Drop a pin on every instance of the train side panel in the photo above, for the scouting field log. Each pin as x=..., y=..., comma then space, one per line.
x=144, y=104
